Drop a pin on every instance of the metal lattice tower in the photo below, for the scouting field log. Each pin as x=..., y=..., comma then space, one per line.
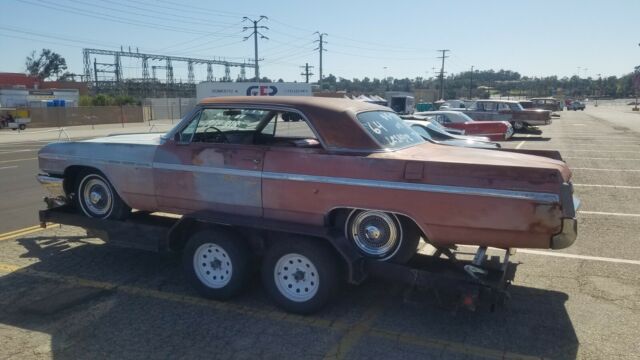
x=145, y=69
x=209, y=72
x=190, y=77
x=116, y=67
x=169, y=72
x=227, y=73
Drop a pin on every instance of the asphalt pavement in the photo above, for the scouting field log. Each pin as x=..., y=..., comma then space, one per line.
x=65, y=295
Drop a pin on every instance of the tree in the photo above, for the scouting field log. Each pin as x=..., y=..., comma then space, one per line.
x=46, y=64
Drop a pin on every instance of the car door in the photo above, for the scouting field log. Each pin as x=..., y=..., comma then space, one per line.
x=212, y=164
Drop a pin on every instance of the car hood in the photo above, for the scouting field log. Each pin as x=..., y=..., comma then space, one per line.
x=469, y=156
x=139, y=139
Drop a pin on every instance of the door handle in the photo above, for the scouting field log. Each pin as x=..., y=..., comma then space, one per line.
x=253, y=160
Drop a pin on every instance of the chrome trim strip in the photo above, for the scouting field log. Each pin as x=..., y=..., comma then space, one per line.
x=394, y=185
x=383, y=184
x=54, y=185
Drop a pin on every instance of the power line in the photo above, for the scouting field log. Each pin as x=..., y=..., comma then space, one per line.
x=444, y=52
x=255, y=34
x=306, y=72
x=320, y=49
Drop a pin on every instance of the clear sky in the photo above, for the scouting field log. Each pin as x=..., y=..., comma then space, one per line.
x=365, y=38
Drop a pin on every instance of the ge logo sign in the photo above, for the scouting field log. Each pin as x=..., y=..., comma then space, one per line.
x=262, y=90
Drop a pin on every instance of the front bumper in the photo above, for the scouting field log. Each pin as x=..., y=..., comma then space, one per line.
x=569, y=232
x=54, y=185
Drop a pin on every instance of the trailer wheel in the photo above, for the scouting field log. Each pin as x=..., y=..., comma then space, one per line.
x=22, y=126
x=300, y=275
x=216, y=263
x=97, y=198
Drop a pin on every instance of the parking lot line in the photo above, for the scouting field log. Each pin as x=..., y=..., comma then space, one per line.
x=355, y=333
x=403, y=338
x=8, y=167
x=599, y=169
x=25, y=231
x=580, y=257
x=608, y=186
x=607, y=213
x=600, y=158
x=16, y=160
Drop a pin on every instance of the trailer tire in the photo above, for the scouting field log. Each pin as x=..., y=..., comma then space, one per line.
x=22, y=126
x=216, y=262
x=300, y=275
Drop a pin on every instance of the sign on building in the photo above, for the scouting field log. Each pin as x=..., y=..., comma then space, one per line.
x=216, y=89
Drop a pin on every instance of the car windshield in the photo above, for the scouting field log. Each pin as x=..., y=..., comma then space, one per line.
x=388, y=129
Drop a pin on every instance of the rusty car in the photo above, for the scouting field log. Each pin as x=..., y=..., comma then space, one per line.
x=352, y=168
x=507, y=110
x=494, y=130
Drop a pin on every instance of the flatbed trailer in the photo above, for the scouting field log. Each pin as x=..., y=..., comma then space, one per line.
x=482, y=280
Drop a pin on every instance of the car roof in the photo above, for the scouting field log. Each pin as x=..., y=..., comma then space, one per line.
x=498, y=100
x=333, y=119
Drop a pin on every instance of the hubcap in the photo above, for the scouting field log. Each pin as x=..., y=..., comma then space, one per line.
x=97, y=196
x=212, y=265
x=296, y=277
x=374, y=232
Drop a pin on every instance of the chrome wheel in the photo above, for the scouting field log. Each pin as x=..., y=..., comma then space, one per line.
x=518, y=125
x=212, y=265
x=97, y=197
x=296, y=277
x=375, y=233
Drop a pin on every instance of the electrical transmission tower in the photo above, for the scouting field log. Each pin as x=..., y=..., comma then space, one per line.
x=321, y=48
x=306, y=72
x=255, y=34
x=444, y=53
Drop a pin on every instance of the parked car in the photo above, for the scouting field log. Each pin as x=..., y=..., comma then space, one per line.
x=494, y=130
x=350, y=166
x=507, y=110
x=431, y=133
x=453, y=104
x=547, y=103
x=576, y=105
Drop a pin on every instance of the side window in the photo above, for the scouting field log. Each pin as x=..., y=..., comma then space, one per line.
x=293, y=125
x=445, y=119
x=489, y=106
x=503, y=107
x=186, y=135
x=421, y=130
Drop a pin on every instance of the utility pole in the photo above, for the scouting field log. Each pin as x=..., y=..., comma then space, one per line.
x=599, y=88
x=470, y=82
x=444, y=53
x=255, y=34
x=321, y=48
x=306, y=72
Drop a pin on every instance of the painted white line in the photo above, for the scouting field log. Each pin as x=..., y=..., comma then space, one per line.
x=8, y=167
x=598, y=150
x=580, y=257
x=607, y=213
x=17, y=151
x=522, y=142
x=600, y=158
x=598, y=169
x=608, y=186
x=16, y=160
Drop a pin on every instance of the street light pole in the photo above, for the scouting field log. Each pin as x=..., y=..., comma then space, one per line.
x=470, y=82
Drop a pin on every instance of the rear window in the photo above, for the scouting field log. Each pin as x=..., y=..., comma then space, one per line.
x=388, y=129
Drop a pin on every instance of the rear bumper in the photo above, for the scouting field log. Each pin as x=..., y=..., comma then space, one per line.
x=569, y=232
